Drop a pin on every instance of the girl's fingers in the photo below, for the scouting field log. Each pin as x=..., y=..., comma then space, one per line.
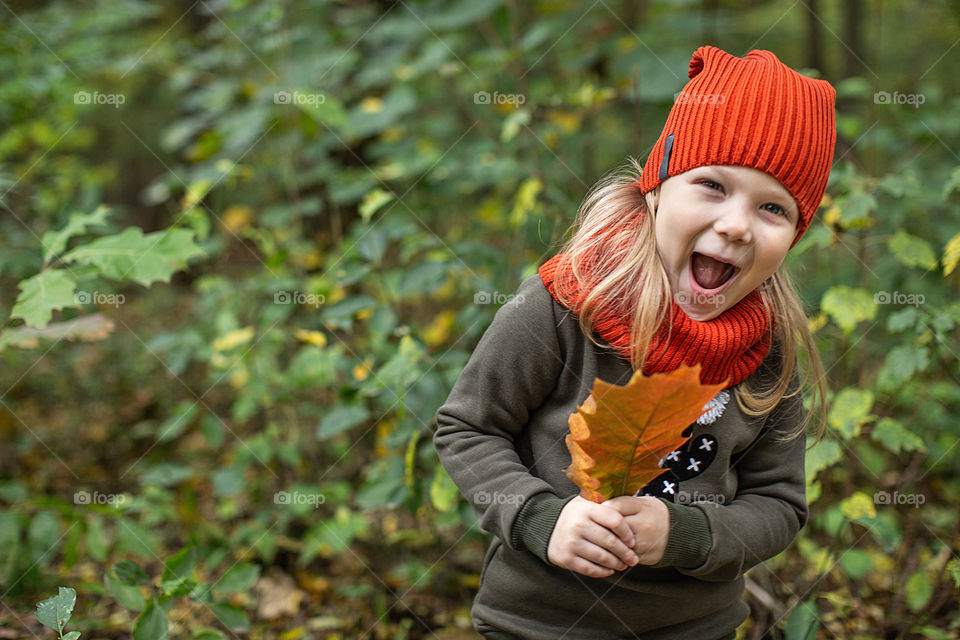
x=615, y=522
x=605, y=539
x=587, y=568
x=598, y=555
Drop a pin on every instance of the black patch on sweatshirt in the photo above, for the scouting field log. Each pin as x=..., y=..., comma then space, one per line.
x=690, y=460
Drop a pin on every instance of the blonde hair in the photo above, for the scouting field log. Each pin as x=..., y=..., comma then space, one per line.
x=614, y=259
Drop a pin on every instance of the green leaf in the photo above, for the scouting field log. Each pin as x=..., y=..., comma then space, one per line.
x=73, y=635
x=55, y=611
x=443, y=491
x=207, y=633
x=329, y=112
x=901, y=364
x=902, y=319
x=512, y=123
x=96, y=538
x=954, y=568
x=342, y=419
x=856, y=563
x=372, y=201
x=232, y=616
x=934, y=633
x=848, y=306
x=43, y=536
x=56, y=241
x=850, y=410
x=129, y=572
x=803, y=623
x=41, y=295
x=128, y=596
x=822, y=455
x=239, y=577
x=892, y=435
x=131, y=255
x=919, y=591
x=855, y=209
x=181, y=564
x=912, y=251
x=152, y=623
x=136, y=539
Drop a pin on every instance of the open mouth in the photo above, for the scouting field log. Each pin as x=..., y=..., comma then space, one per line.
x=710, y=274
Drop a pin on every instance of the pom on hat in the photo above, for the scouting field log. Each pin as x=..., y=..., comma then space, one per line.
x=754, y=112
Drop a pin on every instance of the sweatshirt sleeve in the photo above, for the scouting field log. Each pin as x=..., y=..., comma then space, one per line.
x=770, y=506
x=514, y=367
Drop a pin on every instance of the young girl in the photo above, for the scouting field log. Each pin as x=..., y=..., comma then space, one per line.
x=677, y=263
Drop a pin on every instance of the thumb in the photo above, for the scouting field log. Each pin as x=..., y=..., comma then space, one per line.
x=626, y=505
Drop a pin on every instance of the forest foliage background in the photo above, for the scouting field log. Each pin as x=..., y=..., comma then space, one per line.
x=247, y=247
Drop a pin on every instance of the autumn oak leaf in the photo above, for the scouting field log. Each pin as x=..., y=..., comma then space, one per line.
x=619, y=434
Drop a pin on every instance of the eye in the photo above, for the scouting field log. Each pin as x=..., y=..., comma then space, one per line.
x=711, y=184
x=777, y=209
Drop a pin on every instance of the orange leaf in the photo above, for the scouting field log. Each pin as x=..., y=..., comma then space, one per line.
x=619, y=434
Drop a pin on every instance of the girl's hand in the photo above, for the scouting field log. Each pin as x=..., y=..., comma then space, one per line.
x=591, y=539
x=649, y=520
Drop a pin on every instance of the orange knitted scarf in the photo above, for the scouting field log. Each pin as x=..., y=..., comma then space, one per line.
x=729, y=347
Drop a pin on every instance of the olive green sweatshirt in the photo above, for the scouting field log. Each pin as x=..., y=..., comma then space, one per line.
x=735, y=496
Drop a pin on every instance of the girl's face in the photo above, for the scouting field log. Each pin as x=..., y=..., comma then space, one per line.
x=738, y=215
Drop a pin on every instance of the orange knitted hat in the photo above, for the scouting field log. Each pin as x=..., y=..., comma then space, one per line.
x=754, y=112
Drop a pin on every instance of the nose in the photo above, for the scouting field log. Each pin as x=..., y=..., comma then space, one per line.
x=734, y=221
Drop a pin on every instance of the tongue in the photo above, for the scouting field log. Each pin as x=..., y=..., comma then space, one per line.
x=710, y=273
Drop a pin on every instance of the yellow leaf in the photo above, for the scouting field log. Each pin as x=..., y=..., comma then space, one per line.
x=951, y=255
x=858, y=505
x=815, y=323
x=567, y=120
x=525, y=201
x=233, y=339
x=620, y=434
x=362, y=370
x=832, y=216
x=239, y=378
x=447, y=290
x=337, y=294
x=439, y=329
x=384, y=428
x=311, y=337
x=393, y=134
x=371, y=105
x=363, y=314
x=626, y=44
x=293, y=634
x=236, y=217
